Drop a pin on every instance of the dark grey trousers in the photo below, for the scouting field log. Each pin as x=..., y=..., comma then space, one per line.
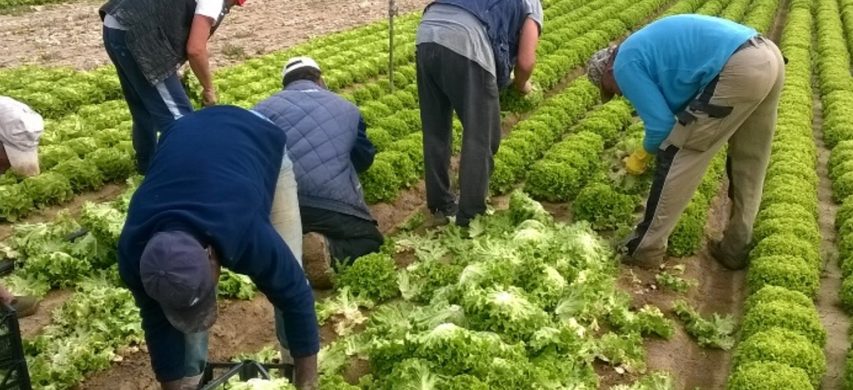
x=449, y=82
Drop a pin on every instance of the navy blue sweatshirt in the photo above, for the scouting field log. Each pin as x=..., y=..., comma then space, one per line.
x=213, y=176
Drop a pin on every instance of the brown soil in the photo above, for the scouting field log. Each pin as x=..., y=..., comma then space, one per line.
x=356, y=369
x=132, y=372
x=70, y=34
x=718, y=290
x=562, y=212
x=408, y=202
x=832, y=315
x=33, y=324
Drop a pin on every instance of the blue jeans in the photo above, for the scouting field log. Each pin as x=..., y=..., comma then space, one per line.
x=195, y=356
x=153, y=107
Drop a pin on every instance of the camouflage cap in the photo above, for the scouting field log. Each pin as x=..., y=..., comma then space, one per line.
x=596, y=66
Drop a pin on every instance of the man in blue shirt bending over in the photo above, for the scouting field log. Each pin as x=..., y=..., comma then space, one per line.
x=698, y=83
x=206, y=203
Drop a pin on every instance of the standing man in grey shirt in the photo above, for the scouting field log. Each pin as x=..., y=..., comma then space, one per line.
x=466, y=52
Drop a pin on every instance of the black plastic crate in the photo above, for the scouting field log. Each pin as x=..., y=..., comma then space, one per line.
x=217, y=374
x=13, y=366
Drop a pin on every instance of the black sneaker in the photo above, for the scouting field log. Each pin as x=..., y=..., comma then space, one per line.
x=646, y=263
x=436, y=219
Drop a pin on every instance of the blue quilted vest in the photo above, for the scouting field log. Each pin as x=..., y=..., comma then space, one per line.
x=503, y=20
x=321, y=130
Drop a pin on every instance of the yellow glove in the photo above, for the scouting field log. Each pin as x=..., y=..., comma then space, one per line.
x=636, y=163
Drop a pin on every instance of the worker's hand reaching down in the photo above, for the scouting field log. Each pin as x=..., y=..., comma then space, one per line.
x=524, y=88
x=637, y=162
x=208, y=97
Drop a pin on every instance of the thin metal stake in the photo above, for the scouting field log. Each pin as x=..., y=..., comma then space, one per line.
x=392, y=12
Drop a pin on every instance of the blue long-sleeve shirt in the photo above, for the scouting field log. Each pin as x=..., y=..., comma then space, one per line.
x=663, y=66
x=213, y=176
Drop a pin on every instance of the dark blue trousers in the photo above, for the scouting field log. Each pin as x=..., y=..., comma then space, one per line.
x=153, y=107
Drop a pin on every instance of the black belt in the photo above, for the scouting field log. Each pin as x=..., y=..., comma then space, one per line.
x=753, y=41
x=703, y=101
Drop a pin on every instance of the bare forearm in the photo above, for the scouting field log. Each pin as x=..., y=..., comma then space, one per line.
x=200, y=64
x=526, y=52
x=522, y=76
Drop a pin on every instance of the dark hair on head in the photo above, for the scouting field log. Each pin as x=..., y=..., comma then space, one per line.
x=306, y=73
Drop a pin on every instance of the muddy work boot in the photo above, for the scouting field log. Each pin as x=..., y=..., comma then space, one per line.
x=644, y=262
x=734, y=263
x=436, y=219
x=644, y=259
x=25, y=305
x=317, y=261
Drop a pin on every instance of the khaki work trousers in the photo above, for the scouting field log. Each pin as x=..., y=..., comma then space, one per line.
x=750, y=83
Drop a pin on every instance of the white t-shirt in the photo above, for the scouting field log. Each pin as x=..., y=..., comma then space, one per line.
x=210, y=8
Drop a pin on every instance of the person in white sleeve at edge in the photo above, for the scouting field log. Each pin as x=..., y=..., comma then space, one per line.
x=20, y=132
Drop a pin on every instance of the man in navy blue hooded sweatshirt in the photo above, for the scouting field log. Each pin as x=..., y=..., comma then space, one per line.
x=206, y=203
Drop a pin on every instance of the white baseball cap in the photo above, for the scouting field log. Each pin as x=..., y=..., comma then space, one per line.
x=298, y=63
x=20, y=131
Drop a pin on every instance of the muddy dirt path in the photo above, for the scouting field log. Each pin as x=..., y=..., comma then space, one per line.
x=32, y=325
x=70, y=34
x=717, y=290
x=832, y=316
x=779, y=22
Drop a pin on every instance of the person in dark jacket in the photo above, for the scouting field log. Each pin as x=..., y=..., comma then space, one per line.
x=327, y=141
x=147, y=41
x=461, y=65
x=206, y=203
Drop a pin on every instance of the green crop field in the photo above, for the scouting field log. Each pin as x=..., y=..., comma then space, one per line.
x=532, y=294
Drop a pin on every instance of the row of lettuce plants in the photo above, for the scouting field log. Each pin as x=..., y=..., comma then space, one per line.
x=782, y=338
